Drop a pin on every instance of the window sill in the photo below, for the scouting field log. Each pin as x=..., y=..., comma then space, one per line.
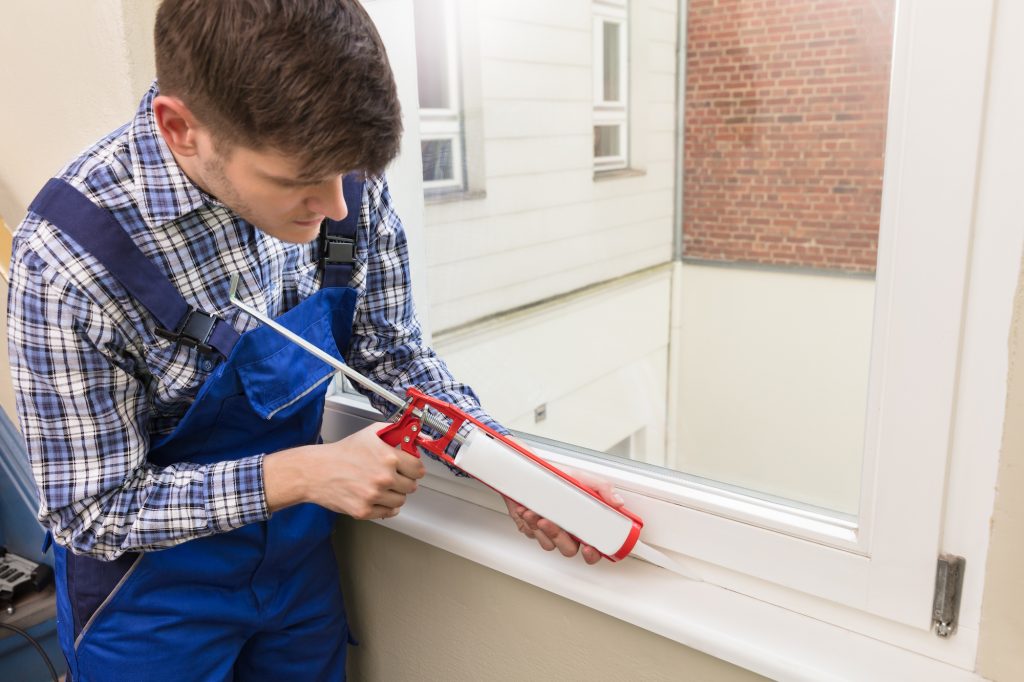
x=746, y=632
x=432, y=197
x=780, y=633
x=618, y=173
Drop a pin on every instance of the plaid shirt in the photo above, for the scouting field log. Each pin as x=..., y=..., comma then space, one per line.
x=95, y=385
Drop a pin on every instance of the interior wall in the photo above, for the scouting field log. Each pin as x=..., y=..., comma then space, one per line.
x=70, y=78
x=1002, y=613
x=73, y=72
x=421, y=613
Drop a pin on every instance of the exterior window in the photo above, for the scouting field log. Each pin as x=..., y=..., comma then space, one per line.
x=758, y=338
x=437, y=58
x=611, y=91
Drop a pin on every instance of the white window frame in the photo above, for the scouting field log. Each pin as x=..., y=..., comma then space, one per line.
x=445, y=123
x=612, y=112
x=794, y=594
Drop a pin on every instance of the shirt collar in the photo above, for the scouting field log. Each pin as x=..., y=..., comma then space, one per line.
x=162, y=190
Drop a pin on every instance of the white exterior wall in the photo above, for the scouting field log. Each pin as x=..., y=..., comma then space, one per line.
x=546, y=226
x=597, y=360
x=773, y=381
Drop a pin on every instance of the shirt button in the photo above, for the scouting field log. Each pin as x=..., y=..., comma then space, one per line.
x=207, y=365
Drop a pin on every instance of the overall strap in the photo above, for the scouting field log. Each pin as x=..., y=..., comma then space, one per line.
x=99, y=233
x=338, y=238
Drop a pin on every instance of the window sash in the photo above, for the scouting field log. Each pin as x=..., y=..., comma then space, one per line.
x=885, y=564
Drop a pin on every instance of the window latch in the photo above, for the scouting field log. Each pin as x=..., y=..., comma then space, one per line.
x=949, y=580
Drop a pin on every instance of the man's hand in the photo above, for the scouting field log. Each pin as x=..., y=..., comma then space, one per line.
x=550, y=536
x=360, y=475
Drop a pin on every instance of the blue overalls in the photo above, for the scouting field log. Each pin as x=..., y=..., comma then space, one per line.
x=259, y=602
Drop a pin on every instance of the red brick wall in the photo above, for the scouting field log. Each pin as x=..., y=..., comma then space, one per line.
x=785, y=128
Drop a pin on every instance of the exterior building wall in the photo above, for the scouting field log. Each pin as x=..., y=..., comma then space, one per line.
x=772, y=381
x=595, y=362
x=786, y=106
x=546, y=226
x=504, y=261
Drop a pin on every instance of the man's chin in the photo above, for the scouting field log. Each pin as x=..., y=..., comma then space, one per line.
x=295, y=232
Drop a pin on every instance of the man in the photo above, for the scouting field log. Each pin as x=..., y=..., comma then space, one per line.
x=174, y=441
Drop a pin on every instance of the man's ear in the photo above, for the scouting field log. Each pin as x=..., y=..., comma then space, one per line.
x=177, y=124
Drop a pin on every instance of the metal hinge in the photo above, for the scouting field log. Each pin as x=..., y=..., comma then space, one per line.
x=949, y=579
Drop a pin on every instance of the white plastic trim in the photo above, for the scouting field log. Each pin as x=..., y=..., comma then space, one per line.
x=746, y=632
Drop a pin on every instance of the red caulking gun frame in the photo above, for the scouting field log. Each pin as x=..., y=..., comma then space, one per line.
x=497, y=461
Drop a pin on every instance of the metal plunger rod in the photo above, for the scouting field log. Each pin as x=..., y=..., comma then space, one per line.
x=428, y=419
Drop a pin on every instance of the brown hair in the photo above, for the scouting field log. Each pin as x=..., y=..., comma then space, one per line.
x=308, y=78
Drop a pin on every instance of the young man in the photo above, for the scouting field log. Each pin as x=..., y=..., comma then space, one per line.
x=173, y=440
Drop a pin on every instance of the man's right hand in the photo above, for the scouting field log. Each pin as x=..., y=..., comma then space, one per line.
x=360, y=475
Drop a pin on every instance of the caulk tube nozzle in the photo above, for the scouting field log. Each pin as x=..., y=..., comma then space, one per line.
x=543, y=491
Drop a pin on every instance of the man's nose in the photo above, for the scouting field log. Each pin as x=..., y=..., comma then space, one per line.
x=329, y=199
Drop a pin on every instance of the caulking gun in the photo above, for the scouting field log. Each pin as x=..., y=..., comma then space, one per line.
x=497, y=461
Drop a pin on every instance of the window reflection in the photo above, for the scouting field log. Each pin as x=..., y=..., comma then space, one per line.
x=726, y=336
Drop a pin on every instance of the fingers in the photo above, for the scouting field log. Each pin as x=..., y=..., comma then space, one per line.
x=381, y=512
x=547, y=534
x=590, y=555
x=560, y=540
x=409, y=466
x=403, y=484
x=389, y=500
x=362, y=476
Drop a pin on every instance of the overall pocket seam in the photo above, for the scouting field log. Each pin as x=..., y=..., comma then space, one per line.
x=103, y=605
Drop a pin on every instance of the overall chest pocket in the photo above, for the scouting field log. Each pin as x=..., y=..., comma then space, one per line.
x=284, y=374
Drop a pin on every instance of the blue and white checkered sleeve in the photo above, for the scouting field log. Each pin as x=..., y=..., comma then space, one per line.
x=83, y=413
x=387, y=341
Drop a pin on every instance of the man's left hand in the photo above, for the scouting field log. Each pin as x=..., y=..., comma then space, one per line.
x=549, y=535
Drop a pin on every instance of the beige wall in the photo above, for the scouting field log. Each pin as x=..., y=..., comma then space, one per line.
x=1001, y=646
x=73, y=71
x=424, y=614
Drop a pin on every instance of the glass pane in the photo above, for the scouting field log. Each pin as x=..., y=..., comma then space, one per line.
x=432, y=45
x=612, y=31
x=785, y=137
x=606, y=141
x=744, y=363
x=437, y=160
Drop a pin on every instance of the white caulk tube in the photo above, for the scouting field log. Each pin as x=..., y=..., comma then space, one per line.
x=551, y=496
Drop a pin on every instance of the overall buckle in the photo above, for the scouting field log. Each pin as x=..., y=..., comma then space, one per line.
x=338, y=250
x=194, y=332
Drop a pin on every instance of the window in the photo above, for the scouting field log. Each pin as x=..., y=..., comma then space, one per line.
x=611, y=85
x=841, y=204
x=440, y=105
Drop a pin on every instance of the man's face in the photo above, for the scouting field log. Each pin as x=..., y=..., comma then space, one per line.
x=264, y=188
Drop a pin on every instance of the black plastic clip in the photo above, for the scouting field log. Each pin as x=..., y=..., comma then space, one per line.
x=339, y=250
x=194, y=332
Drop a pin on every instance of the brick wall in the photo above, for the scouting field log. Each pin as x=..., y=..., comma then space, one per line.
x=785, y=128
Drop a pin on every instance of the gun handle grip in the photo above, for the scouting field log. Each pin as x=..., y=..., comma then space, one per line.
x=399, y=435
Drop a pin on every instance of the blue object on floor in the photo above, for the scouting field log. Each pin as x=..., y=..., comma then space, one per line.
x=22, y=534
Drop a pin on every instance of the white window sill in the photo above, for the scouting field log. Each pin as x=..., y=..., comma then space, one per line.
x=746, y=632
x=467, y=519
